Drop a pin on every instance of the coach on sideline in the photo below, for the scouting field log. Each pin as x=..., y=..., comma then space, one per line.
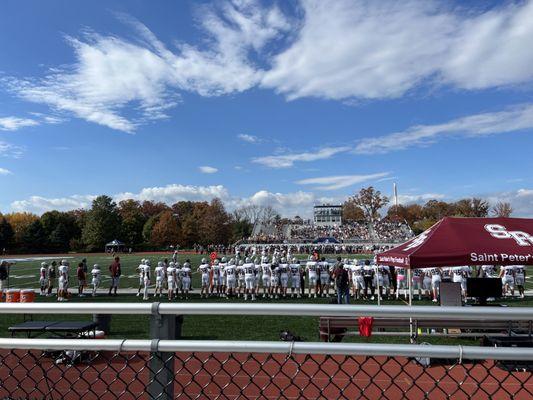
x=342, y=282
x=115, y=271
x=3, y=277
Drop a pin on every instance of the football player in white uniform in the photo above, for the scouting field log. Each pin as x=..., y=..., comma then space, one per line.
x=204, y=270
x=507, y=274
x=436, y=279
x=294, y=269
x=283, y=270
x=43, y=282
x=323, y=267
x=159, y=273
x=96, y=274
x=459, y=275
x=520, y=279
x=417, y=281
x=185, y=274
x=140, y=270
x=146, y=278
x=223, y=264
x=231, y=272
x=215, y=278
x=312, y=273
x=240, y=279
x=266, y=273
x=426, y=283
x=358, y=282
x=274, y=279
x=249, y=278
x=488, y=271
x=401, y=281
x=62, y=289
x=171, y=279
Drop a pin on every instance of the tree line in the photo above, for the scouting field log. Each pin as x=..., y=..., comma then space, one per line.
x=143, y=225
x=152, y=225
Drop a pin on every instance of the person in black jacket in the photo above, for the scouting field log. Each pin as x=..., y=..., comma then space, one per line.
x=342, y=282
x=3, y=276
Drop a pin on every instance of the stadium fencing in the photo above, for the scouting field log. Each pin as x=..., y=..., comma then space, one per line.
x=165, y=369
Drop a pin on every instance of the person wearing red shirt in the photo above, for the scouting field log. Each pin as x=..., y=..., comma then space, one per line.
x=81, y=279
x=115, y=272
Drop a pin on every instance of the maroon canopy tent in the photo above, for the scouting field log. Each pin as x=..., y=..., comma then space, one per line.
x=466, y=241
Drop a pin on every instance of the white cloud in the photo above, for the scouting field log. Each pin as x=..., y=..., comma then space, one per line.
x=340, y=181
x=288, y=160
x=172, y=193
x=288, y=204
x=10, y=150
x=418, y=198
x=521, y=201
x=514, y=119
x=111, y=73
x=249, y=138
x=4, y=171
x=383, y=49
x=39, y=204
x=15, y=123
x=206, y=169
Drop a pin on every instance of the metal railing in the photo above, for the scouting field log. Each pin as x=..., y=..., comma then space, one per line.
x=217, y=369
x=346, y=310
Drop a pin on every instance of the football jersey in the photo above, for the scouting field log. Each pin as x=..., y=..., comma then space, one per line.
x=400, y=271
x=43, y=272
x=249, y=269
x=434, y=272
x=230, y=270
x=240, y=270
x=140, y=268
x=171, y=272
x=95, y=272
x=519, y=270
x=311, y=267
x=146, y=271
x=222, y=267
x=508, y=270
x=63, y=271
x=417, y=273
x=204, y=269
x=185, y=272
x=323, y=266
x=266, y=269
x=283, y=269
x=159, y=272
x=488, y=270
x=216, y=270
x=458, y=271
x=295, y=269
x=357, y=270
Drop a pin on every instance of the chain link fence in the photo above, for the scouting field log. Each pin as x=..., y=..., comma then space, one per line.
x=260, y=370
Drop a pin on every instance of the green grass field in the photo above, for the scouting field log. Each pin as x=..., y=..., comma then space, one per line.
x=211, y=327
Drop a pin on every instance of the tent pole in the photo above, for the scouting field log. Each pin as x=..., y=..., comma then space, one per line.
x=377, y=284
x=410, y=303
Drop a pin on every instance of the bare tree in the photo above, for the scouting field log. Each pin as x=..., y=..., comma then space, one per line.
x=371, y=201
x=254, y=213
x=502, y=209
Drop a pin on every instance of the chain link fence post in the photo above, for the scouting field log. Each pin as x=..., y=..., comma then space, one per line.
x=161, y=365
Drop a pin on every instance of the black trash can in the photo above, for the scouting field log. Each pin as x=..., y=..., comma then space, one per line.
x=103, y=322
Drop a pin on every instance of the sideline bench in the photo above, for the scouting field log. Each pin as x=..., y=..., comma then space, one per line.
x=58, y=329
x=333, y=329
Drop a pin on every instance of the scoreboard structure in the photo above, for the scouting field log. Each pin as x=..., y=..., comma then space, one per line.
x=327, y=215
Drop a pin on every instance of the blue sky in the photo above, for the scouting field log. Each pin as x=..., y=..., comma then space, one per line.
x=281, y=103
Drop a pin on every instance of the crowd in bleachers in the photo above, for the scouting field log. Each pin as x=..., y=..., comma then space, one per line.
x=382, y=230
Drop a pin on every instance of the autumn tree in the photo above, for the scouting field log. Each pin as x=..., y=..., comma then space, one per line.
x=502, y=209
x=409, y=213
x=165, y=231
x=352, y=212
x=20, y=221
x=151, y=208
x=474, y=207
x=370, y=201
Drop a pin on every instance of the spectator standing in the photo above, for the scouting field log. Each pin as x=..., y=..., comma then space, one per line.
x=52, y=274
x=342, y=283
x=80, y=272
x=3, y=277
x=115, y=272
